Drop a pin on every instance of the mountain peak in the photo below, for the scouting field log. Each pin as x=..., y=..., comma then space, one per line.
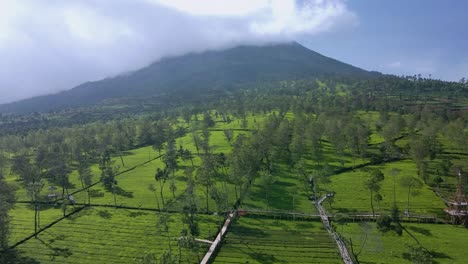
x=199, y=72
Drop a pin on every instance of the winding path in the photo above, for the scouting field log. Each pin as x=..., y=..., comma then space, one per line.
x=339, y=242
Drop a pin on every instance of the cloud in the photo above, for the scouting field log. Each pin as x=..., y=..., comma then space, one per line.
x=394, y=65
x=47, y=46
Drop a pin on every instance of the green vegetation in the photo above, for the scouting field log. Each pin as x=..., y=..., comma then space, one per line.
x=149, y=186
x=445, y=243
x=116, y=236
x=255, y=239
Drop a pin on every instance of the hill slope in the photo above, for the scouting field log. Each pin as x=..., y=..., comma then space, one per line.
x=202, y=72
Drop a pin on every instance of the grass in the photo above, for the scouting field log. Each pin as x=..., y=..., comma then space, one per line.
x=107, y=235
x=352, y=196
x=286, y=193
x=113, y=236
x=22, y=220
x=445, y=242
x=263, y=240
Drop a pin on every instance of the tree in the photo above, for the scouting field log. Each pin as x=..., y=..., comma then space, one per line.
x=207, y=120
x=419, y=255
x=372, y=183
x=220, y=198
x=297, y=145
x=315, y=133
x=413, y=184
x=3, y=161
x=19, y=164
x=152, y=189
x=418, y=151
x=266, y=181
x=168, y=258
x=84, y=171
x=229, y=134
x=187, y=155
x=7, y=199
x=158, y=140
x=161, y=177
x=148, y=258
x=108, y=173
x=34, y=187
x=205, y=174
x=190, y=211
x=282, y=138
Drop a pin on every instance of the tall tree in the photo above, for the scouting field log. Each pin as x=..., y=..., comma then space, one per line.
x=34, y=186
x=413, y=185
x=190, y=210
x=266, y=181
x=372, y=183
x=86, y=177
x=108, y=173
x=161, y=176
x=7, y=199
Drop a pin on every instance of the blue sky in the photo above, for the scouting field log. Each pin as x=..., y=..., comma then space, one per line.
x=402, y=37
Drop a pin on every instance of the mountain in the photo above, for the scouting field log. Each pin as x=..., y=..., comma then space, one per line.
x=197, y=73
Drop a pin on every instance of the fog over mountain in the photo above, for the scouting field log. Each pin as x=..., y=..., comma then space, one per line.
x=49, y=46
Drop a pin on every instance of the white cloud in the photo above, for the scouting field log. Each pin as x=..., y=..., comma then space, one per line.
x=394, y=65
x=47, y=46
x=216, y=7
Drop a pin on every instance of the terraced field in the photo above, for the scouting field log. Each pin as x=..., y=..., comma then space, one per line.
x=446, y=243
x=114, y=236
x=261, y=240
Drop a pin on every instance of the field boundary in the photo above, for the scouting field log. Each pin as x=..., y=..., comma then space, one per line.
x=46, y=227
x=120, y=173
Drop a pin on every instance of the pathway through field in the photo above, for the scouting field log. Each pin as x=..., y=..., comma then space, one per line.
x=341, y=246
x=220, y=235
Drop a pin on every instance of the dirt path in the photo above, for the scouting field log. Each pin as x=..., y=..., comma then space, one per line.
x=217, y=241
x=339, y=242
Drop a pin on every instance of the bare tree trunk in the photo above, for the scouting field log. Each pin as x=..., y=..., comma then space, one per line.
x=115, y=198
x=121, y=159
x=407, y=204
x=207, y=209
x=35, y=218
x=161, y=186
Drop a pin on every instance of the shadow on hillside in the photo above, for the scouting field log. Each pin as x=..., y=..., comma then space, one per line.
x=439, y=255
x=136, y=214
x=344, y=210
x=96, y=193
x=421, y=230
x=262, y=257
x=13, y=257
x=122, y=192
x=279, y=196
x=104, y=214
x=56, y=251
x=250, y=231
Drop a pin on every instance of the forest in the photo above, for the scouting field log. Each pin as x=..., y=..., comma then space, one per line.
x=153, y=180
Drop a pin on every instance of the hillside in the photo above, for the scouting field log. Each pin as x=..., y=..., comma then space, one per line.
x=195, y=74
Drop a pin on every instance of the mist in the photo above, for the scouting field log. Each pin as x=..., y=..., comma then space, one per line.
x=49, y=46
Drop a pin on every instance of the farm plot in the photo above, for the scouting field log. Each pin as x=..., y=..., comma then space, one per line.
x=115, y=236
x=22, y=220
x=446, y=243
x=263, y=240
x=352, y=196
x=285, y=194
